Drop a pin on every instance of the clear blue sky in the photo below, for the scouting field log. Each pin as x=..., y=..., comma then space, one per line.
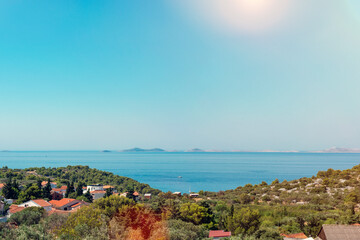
x=90, y=75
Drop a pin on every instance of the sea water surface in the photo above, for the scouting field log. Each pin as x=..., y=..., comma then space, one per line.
x=198, y=171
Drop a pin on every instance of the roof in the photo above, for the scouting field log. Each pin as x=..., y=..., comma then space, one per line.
x=147, y=194
x=62, y=202
x=219, y=233
x=2, y=185
x=97, y=191
x=42, y=202
x=63, y=187
x=15, y=208
x=343, y=232
x=295, y=235
x=43, y=183
x=136, y=194
x=108, y=186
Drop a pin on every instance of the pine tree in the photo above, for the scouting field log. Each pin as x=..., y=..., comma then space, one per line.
x=108, y=193
x=67, y=189
x=47, y=190
x=88, y=196
x=79, y=190
x=7, y=190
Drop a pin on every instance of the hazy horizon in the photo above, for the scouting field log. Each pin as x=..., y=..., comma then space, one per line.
x=235, y=75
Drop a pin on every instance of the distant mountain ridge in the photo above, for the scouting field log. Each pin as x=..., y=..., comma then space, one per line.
x=340, y=150
x=198, y=150
x=144, y=150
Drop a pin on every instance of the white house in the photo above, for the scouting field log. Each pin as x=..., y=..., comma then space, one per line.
x=37, y=203
x=96, y=187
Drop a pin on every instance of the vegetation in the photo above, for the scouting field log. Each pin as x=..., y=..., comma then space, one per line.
x=250, y=212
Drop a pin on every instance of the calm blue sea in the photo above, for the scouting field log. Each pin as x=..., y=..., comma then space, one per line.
x=199, y=171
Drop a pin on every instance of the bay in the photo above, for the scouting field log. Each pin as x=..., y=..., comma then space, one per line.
x=184, y=172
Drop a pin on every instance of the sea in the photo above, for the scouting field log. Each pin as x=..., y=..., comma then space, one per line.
x=188, y=171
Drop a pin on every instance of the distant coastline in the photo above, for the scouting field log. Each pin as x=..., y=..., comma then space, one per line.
x=195, y=150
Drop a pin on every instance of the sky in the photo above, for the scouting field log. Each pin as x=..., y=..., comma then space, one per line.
x=180, y=74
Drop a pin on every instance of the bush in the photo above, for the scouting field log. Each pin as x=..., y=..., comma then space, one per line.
x=180, y=230
x=28, y=216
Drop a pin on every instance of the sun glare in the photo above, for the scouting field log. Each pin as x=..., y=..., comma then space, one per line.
x=241, y=15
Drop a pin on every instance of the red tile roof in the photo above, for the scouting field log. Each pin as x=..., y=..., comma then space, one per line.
x=219, y=233
x=42, y=202
x=295, y=235
x=43, y=183
x=15, y=208
x=2, y=185
x=63, y=187
x=98, y=191
x=136, y=194
x=108, y=186
x=62, y=202
x=58, y=190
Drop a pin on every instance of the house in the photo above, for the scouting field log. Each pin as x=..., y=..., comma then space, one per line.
x=14, y=209
x=136, y=196
x=56, y=195
x=37, y=203
x=95, y=187
x=194, y=195
x=61, y=190
x=97, y=194
x=65, y=204
x=219, y=234
x=296, y=236
x=337, y=232
x=177, y=193
x=121, y=194
x=147, y=195
x=52, y=184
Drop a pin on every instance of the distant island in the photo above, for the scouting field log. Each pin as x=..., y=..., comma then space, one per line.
x=339, y=150
x=144, y=150
x=198, y=150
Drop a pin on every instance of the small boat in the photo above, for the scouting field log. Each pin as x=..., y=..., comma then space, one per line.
x=179, y=176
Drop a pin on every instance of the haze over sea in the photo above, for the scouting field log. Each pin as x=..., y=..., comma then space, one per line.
x=198, y=171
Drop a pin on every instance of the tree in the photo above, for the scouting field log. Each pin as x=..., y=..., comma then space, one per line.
x=32, y=192
x=79, y=190
x=69, y=189
x=88, y=196
x=192, y=212
x=28, y=216
x=108, y=193
x=47, y=190
x=11, y=189
x=138, y=223
x=180, y=230
x=244, y=221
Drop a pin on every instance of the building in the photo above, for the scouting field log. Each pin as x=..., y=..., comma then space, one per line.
x=147, y=195
x=296, y=236
x=37, y=203
x=52, y=184
x=194, y=195
x=97, y=194
x=219, y=234
x=177, y=193
x=95, y=187
x=339, y=232
x=56, y=195
x=14, y=209
x=65, y=204
x=61, y=190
